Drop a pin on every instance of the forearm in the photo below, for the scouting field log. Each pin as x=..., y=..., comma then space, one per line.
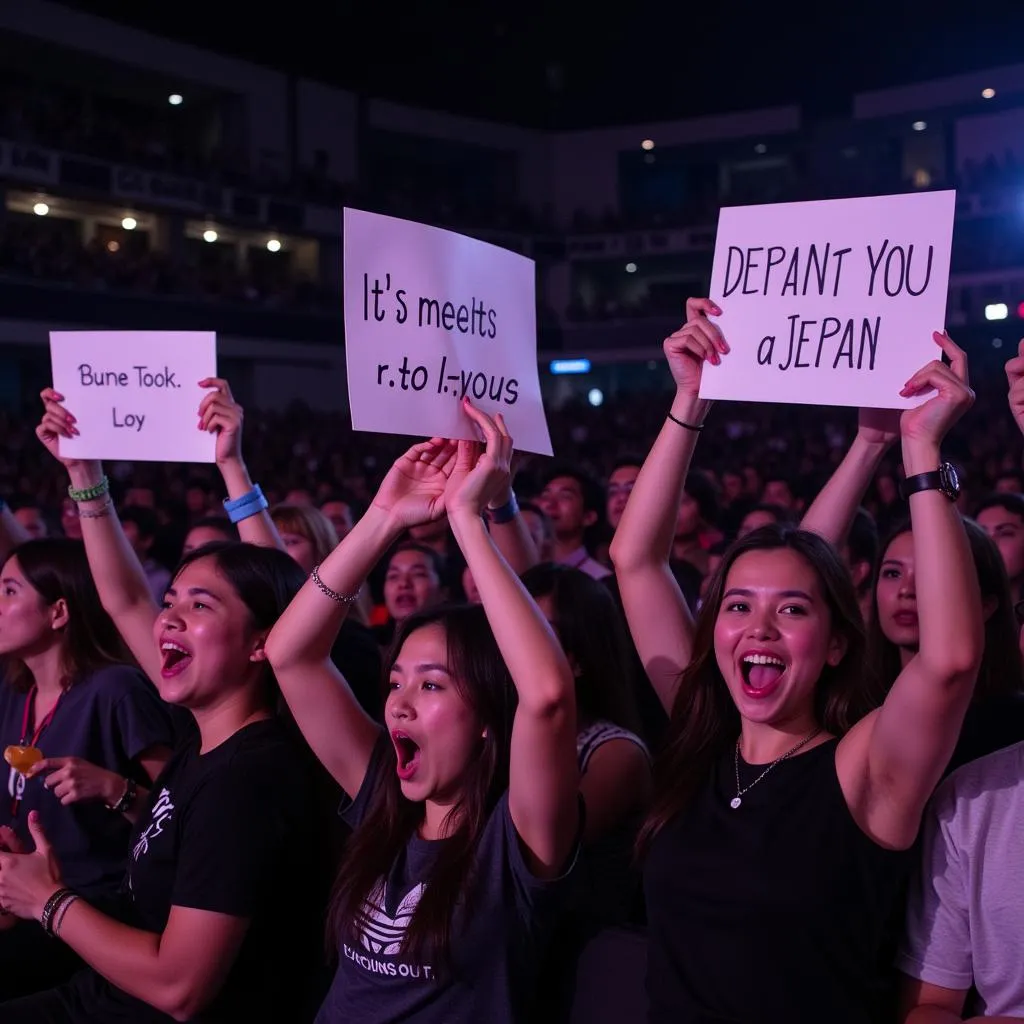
x=831, y=514
x=531, y=651
x=127, y=957
x=120, y=579
x=932, y=1015
x=306, y=632
x=648, y=524
x=948, y=594
x=258, y=529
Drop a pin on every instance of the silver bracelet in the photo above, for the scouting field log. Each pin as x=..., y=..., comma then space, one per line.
x=332, y=594
x=61, y=913
x=97, y=513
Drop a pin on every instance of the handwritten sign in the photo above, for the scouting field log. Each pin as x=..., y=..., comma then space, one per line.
x=135, y=394
x=830, y=303
x=430, y=317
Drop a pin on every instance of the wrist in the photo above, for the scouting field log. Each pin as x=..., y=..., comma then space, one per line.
x=690, y=408
x=45, y=896
x=920, y=457
x=83, y=475
x=113, y=789
x=379, y=527
x=464, y=520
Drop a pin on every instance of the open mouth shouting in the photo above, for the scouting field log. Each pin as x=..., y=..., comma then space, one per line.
x=408, y=752
x=762, y=673
x=175, y=658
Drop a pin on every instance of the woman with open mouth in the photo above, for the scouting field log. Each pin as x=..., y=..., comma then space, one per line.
x=785, y=806
x=201, y=932
x=465, y=809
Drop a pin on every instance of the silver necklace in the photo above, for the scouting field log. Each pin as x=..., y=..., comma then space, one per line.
x=735, y=802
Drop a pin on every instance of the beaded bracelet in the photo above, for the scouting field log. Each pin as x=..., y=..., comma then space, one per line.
x=332, y=594
x=90, y=493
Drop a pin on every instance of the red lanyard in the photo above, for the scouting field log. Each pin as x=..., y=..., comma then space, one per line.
x=25, y=741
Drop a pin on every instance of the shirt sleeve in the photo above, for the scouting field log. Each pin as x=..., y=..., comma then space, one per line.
x=139, y=719
x=235, y=835
x=353, y=811
x=936, y=945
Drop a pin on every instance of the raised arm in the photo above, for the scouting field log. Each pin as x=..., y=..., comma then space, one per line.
x=120, y=579
x=890, y=763
x=656, y=611
x=337, y=729
x=832, y=511
x=219, y=413
x=543, y=776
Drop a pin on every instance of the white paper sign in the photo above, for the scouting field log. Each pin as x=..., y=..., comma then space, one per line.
x=432, y=316
x=830, y=303
x=135, y=394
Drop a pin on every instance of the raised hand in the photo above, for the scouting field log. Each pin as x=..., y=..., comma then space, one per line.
x=696, y=341
x=28, y=880
x=931, y=422
x=413, y=490
x=56, y=423
x=219, y=413
x=479, y=477
x=1015, y=378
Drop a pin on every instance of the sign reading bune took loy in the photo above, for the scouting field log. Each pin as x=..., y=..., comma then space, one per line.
x=830, y=303
x=135, y=394
x=431, y=317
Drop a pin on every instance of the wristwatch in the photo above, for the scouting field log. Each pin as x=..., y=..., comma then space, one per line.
x=944, y=479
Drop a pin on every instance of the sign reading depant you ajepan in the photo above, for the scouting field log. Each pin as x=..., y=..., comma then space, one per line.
x=830, y=303
x=431, y=317
x=135, y=394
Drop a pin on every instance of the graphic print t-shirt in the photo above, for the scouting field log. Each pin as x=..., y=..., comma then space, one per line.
x=109, y=718
x=232, y=832
x=495, y=951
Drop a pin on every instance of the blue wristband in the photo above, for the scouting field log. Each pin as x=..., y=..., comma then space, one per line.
x=247, y=505
x=505, y=513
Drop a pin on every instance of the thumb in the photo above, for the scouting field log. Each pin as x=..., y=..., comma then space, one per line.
x=35, y=828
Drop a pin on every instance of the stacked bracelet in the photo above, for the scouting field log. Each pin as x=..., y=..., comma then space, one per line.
x=61, y=913
x=332, y=594
x=504, y=513
x=90, y=493
x=53, y=906
x=127, y=798
x=100, y=512
x=249, y=504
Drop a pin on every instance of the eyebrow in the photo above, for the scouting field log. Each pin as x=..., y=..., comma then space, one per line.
x=192, y=592
x=743, y=592
x=427, y=666
x=10, y=580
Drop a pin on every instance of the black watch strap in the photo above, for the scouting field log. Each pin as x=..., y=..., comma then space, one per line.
x=943, y=479
x=922, y=482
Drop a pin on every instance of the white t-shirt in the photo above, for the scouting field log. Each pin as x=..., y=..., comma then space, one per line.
x=965, y=916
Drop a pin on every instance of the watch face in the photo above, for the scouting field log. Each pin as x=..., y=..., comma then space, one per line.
x=950, y=481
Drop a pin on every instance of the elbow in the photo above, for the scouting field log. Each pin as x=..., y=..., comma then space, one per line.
x=183, y=1001
x=957, y=664
x=627, y=556
x=551, y=700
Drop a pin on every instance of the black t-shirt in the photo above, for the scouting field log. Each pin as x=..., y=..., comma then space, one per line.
x=109, y=717
x=356, y=655
x=231, y=832
x=774, y=912
x=495, y=951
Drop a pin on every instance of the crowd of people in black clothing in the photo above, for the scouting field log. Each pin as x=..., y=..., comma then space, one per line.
x=403, y=742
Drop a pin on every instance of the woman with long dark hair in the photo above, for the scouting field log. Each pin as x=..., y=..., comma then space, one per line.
x=80, y=726
x=995, y=718
x=465, y=810
x=202, y=931
x=784, y=808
